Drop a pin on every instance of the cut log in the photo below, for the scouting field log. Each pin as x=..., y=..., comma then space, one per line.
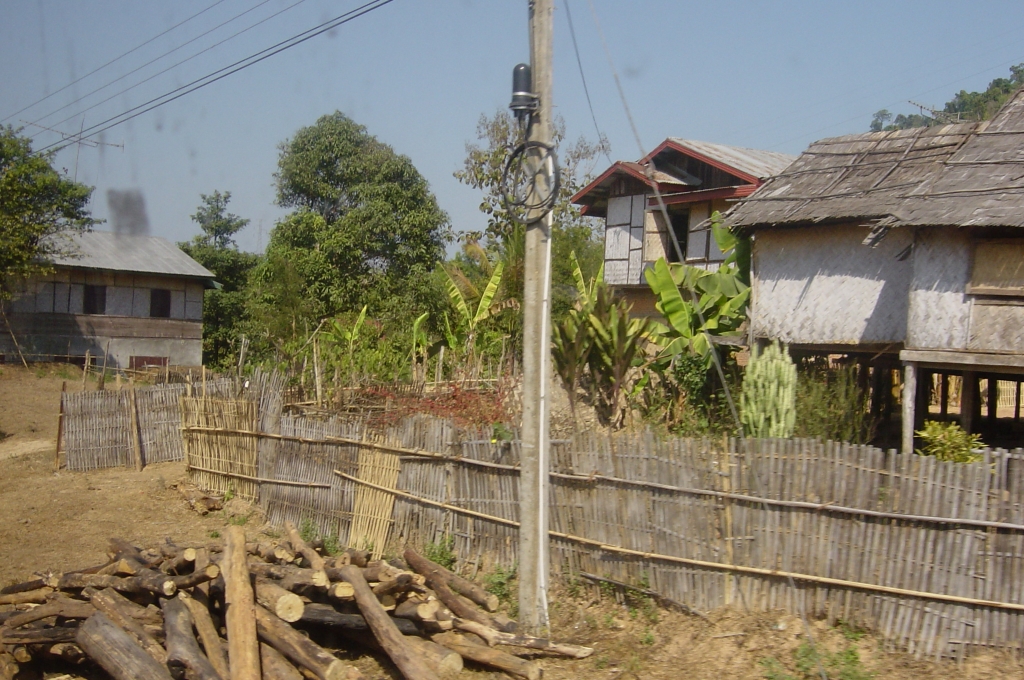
x=119, y=548
x=183, y=654
x=8, y=667
x=300, y=546
x=468, y=648
x=275, y=666
x=118, y=654
x=360, y=558
x=123, y=566
x=207, y=573
x=300, y=649
x=183, y=560
x=207, y=633
x=460, y=585
x=145, y=580
x=385, y=629
x=147, y=616
x=441, y=660
x=61, y=606
x=118, y=611
x=65, y=651
x=37, y=596
x=290, y=576
x=494, y=637
x=21, y=655
x=23, y=587
x=287, y=605
x=460, y=606
x=36, y=636
x=326, y=615
x=404, y=583
x=341, y=591
x=243, y=645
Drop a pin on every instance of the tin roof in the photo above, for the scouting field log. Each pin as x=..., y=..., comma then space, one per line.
x=140, y=254
x=967, y=174
x=754, y=162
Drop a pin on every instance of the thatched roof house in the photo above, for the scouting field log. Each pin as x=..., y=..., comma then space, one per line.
x=901, y=246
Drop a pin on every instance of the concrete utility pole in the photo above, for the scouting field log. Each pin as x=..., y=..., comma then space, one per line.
x=534, y=467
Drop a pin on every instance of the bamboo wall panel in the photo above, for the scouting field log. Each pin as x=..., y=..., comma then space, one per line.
x=222, y=462
x=97, y=429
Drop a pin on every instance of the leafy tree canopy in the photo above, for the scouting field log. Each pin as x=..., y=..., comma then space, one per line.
x=964, y=105
x=366, y=229
x=497, y=136
x=37, y=205
x=224, y=310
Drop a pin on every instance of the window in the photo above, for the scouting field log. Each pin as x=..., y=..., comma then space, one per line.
x=160, y=303
x=998, y=268
x=680, y=224
x=95, y=301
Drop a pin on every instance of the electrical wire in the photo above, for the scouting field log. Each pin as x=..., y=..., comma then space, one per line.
x=696, y=305
x=112, y=61
x=155, y=59
x=226, y=71
x=601, y=138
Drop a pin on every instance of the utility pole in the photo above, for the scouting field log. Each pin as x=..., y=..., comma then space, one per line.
x=534, y=463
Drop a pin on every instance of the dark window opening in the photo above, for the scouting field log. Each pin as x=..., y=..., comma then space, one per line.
x=95, y=301
x=680, y=226
x=160, y=303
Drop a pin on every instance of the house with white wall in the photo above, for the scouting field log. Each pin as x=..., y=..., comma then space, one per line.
x=138, y=300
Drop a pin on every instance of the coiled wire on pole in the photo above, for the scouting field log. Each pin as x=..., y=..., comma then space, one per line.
x=524, y=197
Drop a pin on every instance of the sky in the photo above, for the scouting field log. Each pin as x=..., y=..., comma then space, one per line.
x=419, y=74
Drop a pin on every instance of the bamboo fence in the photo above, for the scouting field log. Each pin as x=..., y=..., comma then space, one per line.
x=96, y=429
x=928, y=554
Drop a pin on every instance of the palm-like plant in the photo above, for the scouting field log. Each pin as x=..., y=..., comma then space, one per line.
x=617, y=349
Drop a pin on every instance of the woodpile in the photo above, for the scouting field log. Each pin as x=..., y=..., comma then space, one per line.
x=245, y=611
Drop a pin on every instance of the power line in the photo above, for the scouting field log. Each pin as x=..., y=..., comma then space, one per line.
x=155, y=59
x=114, y=60
x=602, y=140
x=228, y=70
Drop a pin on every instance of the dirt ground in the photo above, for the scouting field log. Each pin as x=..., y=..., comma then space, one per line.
x=60, y=520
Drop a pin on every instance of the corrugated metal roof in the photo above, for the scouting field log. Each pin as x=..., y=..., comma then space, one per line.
x=141, y=254
x=967, y=174
x=755, y=162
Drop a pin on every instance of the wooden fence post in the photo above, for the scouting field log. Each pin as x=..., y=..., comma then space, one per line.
x=60, y=426
x=133, y=407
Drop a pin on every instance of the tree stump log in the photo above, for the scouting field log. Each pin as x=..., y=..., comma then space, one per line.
x=207, y=633
x=460, y=606
x=300, y=649
x=275, y=666
x=116, y=652
x=114, y=606
x=285, y=604
x=460, y=585
x=494, y=637
x=300, y=546
x=207, y=573
x=243, y=645
x=183, y=654
x=482, y=654
x=385, y=629
x=326, y=615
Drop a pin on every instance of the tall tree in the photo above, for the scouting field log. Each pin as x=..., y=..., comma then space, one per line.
x=497, y=136
x=224, y=310
x=366, y=229
x=38, y=206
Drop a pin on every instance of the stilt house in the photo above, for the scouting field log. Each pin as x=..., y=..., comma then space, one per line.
x=694, y=179
x=905, y=250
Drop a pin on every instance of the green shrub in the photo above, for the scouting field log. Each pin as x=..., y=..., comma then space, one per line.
x=831, y=406
x=442, y=552
x=949, y=442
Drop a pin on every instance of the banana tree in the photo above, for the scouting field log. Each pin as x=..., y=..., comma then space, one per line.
x=466, y=332
x=420, y=345
x=698, y=304
x=343, y=341
x=618, y=349
x=572, y=339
